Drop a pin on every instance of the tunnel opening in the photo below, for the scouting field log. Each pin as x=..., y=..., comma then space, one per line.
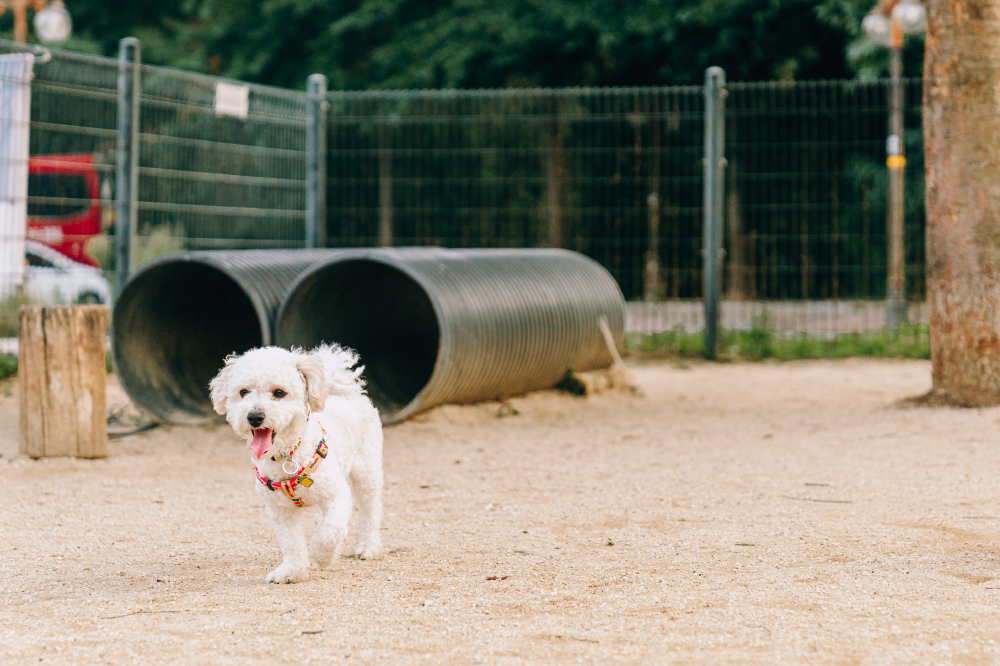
x=379, y=311
x=173, y=326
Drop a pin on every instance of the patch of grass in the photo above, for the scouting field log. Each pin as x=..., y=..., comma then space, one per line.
x=756, y=344
x=161, y=239
x=666, y=344
x=10, y=317
x=759, y=343
x=8, y=365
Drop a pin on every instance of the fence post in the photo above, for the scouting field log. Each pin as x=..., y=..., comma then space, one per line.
x=316, y=106
x=15, y=114
x=127, y=174
x=712, y=200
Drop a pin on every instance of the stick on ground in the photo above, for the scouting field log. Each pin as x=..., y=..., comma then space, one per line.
x=628, y=377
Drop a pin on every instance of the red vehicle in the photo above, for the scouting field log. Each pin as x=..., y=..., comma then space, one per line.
x=64, y=203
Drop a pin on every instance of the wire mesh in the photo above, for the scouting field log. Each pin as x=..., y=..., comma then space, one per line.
x=211, y=175
x=216, y=176
x=71, y=169
x=573, y=168
x=806, y=204
x=615, y=173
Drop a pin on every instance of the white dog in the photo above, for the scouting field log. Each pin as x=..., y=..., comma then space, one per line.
x=294, y=408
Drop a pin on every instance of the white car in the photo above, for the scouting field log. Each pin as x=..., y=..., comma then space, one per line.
x=52, y=278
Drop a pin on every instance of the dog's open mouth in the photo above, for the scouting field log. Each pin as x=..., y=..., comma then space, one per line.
x=261, y=444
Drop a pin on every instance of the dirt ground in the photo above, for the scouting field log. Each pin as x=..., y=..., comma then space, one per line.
x=743, y=513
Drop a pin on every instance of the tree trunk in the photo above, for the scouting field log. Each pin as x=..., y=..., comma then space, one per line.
x=962, y=144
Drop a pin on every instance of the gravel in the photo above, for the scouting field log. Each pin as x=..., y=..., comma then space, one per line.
x=741, y=513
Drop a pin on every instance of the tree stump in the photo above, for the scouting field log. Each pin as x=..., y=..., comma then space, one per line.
x=61, y=369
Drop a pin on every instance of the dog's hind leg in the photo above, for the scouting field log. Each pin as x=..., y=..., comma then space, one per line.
x=368, y=496
x=332, y=529
x=287, y=523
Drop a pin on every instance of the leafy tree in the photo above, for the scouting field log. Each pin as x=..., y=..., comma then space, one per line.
x=99, y=24
x=489, y=43
x=366, y=44
x=865, y=59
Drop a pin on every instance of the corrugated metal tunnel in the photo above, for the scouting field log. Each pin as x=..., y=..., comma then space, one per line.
x=436, y=326
x=179, y=316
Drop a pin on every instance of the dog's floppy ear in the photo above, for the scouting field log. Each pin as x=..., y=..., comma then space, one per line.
x=311, y=369
x=219, y=387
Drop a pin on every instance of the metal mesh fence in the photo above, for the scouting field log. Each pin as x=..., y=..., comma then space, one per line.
x=218, y=179
x=615, y=173
x=586, y=169
x=70, y=176
x=806, y=206
x=807, y=191
x=209, y=175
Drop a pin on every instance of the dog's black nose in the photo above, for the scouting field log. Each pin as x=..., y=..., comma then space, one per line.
x=255, y=418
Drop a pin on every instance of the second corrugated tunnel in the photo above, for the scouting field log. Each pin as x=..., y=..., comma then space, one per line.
x=434, y=326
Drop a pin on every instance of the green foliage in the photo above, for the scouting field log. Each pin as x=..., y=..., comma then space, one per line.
x=99, y=24
x=365, y=44
x=10, y=318
x=865, y=59
x=760, y=343
x=757, y=343
x=8, y=365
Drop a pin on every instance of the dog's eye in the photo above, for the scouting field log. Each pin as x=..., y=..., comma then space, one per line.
x=243, y=393
x=278, y=393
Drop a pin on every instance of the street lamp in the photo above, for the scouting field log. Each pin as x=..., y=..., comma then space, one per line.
x=886, y=25
x=910, y=16
x=52, y=21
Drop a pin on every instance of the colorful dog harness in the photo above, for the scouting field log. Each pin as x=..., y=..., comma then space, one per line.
x=302, y=476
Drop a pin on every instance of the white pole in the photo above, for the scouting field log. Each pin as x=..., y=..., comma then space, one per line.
x=15, y=114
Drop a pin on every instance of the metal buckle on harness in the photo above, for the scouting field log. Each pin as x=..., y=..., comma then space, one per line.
x=322, y=449
x=305, y=481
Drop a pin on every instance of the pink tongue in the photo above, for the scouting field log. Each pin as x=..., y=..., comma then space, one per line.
x=261, y=443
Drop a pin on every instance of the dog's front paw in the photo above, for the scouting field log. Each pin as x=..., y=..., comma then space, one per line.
x=288, y=574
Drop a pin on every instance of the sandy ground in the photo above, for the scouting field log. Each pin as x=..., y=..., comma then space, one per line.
x=745, y=513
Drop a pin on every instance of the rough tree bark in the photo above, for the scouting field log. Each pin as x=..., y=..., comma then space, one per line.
x=962, y=144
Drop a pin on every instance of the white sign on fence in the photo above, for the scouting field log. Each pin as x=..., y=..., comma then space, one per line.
x=15, y=113
x=232, y=99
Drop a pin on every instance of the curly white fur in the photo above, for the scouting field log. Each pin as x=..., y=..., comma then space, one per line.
x=286, y=396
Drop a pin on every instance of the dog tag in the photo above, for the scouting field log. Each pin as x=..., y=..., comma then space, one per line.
x=305, y=481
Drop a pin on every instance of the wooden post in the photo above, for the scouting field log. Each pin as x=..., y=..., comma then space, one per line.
x=385, y=190
x=555, y=180
x=61, y=371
